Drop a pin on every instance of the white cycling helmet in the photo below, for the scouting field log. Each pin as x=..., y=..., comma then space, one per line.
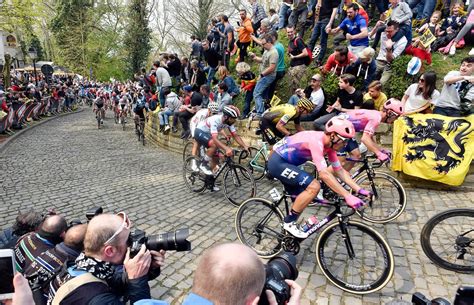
x=214, y=107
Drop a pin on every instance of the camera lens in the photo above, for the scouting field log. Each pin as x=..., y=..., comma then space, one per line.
x=285, y=265
x=175, y=241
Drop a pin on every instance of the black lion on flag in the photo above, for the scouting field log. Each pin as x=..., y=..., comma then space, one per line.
x=445, y=156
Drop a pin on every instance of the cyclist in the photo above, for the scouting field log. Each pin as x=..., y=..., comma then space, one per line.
x=99, y=107
x=206, y=134
x=293, y=151
x=123, y=108
x=140, y=110
x=274, y=120
x=367, y=121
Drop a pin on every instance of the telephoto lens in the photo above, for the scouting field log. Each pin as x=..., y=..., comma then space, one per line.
x=169, y=241
x=279, y=269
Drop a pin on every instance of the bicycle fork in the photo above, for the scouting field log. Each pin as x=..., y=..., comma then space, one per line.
x=346, y=237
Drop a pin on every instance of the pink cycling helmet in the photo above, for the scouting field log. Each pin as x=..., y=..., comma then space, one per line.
x=394, y=105
x=341, y=126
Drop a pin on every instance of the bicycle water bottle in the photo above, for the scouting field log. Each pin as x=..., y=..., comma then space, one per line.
x=310, y=223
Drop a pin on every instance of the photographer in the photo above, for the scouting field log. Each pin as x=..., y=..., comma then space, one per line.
x=97, y=276
x=233, y=274
x=24, y=223
x=30, y=246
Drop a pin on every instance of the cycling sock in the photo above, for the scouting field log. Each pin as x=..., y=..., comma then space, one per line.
x=293, y=216
x=207, y=158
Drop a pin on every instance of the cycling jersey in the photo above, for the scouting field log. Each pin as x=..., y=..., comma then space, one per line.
x=214, y=124
x=99, y=102
x=364, y=120
x=306, y=146
x=282, y=113
x=200, y=116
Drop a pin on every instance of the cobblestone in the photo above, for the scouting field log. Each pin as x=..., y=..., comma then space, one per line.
x=69, y=165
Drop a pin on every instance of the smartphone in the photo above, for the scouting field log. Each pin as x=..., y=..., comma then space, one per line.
x=7, y=271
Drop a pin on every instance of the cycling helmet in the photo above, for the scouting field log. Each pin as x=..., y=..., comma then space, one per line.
x=231, y=111
x=306, y=104
x=214, y=107
x=341, y=126
x=394, y=105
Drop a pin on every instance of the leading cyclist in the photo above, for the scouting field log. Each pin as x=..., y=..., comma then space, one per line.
x=293, y=151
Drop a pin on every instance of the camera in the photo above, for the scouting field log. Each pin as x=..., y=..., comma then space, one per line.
x=277, y=270
x=91, y=213
x=174, y=241
x=464, y=296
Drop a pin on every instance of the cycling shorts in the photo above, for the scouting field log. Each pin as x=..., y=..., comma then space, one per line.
x=350, y=146
x=99, y=105
x=293, y=178
x=269, y=131
x=123, y=106
x=202, y=137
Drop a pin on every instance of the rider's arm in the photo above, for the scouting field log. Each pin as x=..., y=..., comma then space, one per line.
x=239, y=140
x=368, y=141
x=299, y=128
x=219, y=144
x=341, y=173
x=326, y=176
x=281, y=127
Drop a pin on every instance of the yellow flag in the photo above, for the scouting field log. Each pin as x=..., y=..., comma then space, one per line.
x=434, y=147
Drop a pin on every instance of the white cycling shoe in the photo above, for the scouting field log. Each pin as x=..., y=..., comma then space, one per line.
x=295, y=229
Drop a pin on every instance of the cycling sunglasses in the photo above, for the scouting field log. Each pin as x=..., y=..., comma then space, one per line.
x=126, y=224
x=341, y=139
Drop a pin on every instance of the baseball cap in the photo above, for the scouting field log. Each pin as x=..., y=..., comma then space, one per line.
x=316, y=77
x=188, y=88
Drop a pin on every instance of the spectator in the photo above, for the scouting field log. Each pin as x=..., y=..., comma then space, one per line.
x=419, y=97
x=264, y=28
x=298, y=16
x=24, y=223
x=197, y=76
x=364, y=67
x=245, y=30
x=163, y=80
x=172, y=104
x=466, y=33
x=174, y=69
x=339, y=61
x=207, y=95
x=248, y=81
x=327, y=14
x=315, y=93
x=31, y=245
x=105, y=246
x=224, y=76
x=284, y=13
x=232, y=274
x=43, y=269
x=223, y=97
x=273, y=19
x=258, y=14
x=355, y=28
x=212, y=58
x=186, y=112
x=458, y=91
x=185, y=71
x=401, y=14
x=422, y=8
x=196, y=48
x=299, y=57
x=417, y=49
x=374, y=98
x=348, y=97
x=341, y=37
x=229, y=40
x=450, y=27
x=389, y=51
x=268, y=64
x=281, y=66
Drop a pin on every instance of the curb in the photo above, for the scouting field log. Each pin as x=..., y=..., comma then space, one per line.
x=6, y=143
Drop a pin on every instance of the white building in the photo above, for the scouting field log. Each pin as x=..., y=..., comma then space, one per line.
x=9, y=45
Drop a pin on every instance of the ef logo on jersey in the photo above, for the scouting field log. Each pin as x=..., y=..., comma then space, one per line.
x=288, y=173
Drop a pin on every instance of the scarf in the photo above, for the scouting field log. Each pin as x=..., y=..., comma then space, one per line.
x=100, y=269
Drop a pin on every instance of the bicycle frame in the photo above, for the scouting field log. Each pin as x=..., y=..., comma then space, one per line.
x=264, y=151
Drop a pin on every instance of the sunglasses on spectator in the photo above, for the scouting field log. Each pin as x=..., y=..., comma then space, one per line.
x=421, y=80
x=126, y=224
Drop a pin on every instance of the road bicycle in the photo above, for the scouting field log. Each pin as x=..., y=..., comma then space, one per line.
x=122, y=118
x=99, y=116
x=351, y=255
x=238, y=181
x=116, y=114
x=141, y=131
x=188, y=149
x=448, y=240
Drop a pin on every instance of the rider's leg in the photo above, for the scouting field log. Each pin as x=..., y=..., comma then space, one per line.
x=303, y=200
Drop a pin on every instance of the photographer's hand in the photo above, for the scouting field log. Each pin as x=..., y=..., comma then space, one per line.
x=138, y=266
x=295, y=293
x=157, y=258
x=23, y=294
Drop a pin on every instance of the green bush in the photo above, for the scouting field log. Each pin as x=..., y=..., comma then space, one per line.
x=400, y=80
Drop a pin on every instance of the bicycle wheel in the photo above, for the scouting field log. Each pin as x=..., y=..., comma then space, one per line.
x=371, y=266
x=239, y=184
x=194, y=180
x=98, y=121
x=258, y=224
x=255, y=162
x=116, y=118
x=389, y=201
x=123, y=123
x=187, y=151
x=448, y=239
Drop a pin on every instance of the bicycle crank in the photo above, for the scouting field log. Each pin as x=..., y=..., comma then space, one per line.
x=291, y=244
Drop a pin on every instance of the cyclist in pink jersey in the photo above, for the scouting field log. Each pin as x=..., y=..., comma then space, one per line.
x=367, y=121
x=291, y=152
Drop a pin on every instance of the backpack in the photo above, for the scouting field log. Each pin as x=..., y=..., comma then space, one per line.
x=309, y=58
x=153, y=104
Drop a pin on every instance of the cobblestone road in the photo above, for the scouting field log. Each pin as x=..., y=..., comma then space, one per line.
x=69, y=165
